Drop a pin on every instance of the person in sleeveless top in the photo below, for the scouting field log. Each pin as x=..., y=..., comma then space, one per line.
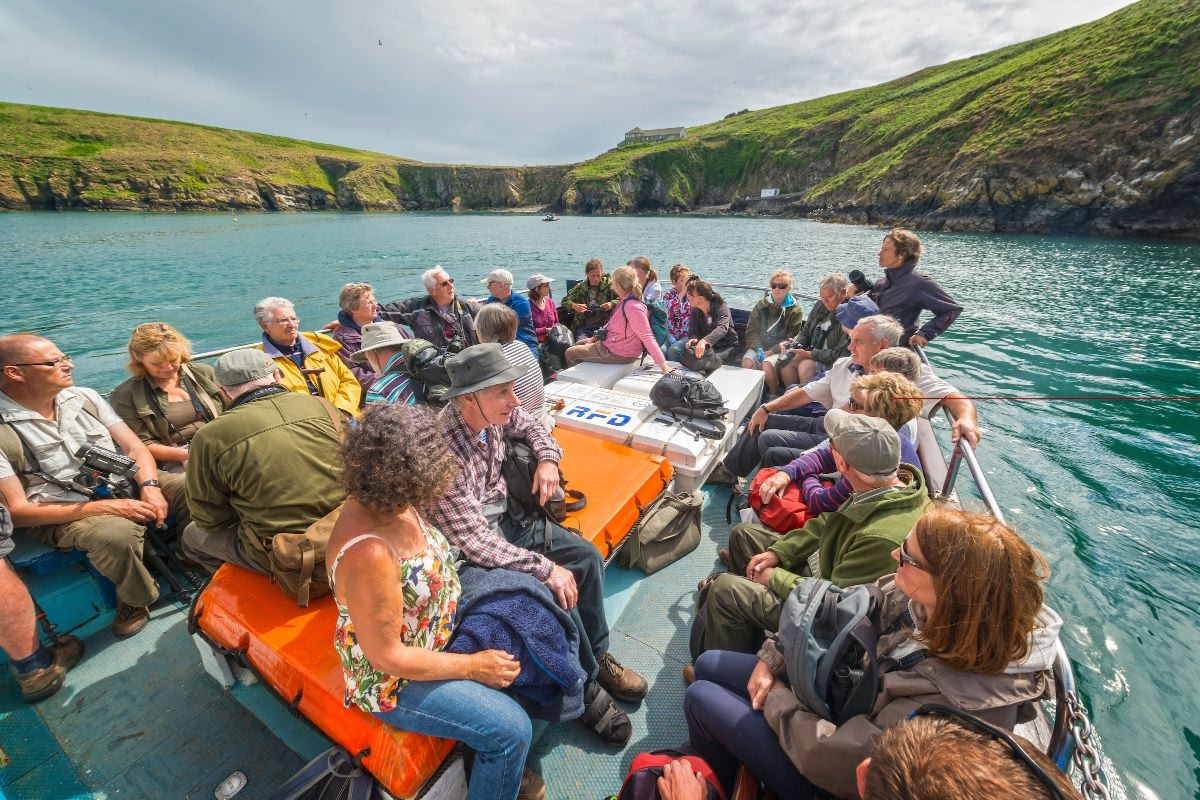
x=397, y=592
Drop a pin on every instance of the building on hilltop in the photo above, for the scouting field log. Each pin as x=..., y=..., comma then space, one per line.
x=637, y=135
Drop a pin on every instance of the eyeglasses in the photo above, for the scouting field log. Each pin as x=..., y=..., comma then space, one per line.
x=996, y=733
x=447, y=282
x=286, y=320
x=58, y=362
x=905, y=558
x=779, y=286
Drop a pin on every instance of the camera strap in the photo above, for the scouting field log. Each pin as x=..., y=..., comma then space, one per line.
x=257, y=394
x=21, y=456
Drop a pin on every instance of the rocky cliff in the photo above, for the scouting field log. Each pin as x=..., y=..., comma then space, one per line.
x=1092, y=130
x=61, y=159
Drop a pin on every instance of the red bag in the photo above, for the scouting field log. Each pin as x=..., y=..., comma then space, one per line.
x=786, y=511
x=641, y=782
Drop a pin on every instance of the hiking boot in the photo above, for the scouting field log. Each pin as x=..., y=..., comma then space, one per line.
x=130, y=619
x=42, y=683
x=621, y=682
x=722, y=476
x=532, y=787
x=603, y=717
x=726, y=557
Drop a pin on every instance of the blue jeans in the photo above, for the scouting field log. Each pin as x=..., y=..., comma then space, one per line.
x=726, y=730
x=486, y=720
x=675, y=349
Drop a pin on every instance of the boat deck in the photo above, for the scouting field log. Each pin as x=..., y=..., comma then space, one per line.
x=140, y=718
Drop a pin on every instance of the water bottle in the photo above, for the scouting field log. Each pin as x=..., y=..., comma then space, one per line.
x=758, y=355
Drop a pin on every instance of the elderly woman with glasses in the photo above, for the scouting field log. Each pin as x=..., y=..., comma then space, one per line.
x=358, y=307
x=168, y=398
x=961, y=623
x=774, y=321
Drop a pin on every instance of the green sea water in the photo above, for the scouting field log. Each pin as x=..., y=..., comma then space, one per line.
x=1107, y=489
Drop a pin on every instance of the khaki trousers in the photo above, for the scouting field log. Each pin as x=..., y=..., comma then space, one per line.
x=114, y=544
x=595, y=352
x=738, y=610
x=211, y=549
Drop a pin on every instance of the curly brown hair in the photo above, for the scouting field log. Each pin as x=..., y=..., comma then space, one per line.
x=390, y=461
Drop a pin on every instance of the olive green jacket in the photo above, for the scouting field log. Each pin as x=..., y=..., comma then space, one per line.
x=771, y=324
x=143, y=405
x=266, y=466
x=854, y=544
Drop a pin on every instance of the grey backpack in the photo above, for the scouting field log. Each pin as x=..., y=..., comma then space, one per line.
x=667, y=530
x=829, y=645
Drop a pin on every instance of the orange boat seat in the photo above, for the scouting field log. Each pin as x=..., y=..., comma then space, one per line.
x=617, y=482
x=291, y=649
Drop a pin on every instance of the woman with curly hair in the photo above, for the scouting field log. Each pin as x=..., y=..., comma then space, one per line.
x=168, y=398
x=396, y=591
x=961, y=623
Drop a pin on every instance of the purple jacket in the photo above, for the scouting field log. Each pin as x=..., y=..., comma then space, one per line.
x=350, y=337
x=903, y=293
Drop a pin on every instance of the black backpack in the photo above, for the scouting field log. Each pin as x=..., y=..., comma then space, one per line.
x=427, y=366
x=688, y=397
x=558, y=339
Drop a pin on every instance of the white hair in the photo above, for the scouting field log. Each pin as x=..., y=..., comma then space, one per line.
x=885, y=328
x=836, y=281
x=429, y=276
x=264, y=308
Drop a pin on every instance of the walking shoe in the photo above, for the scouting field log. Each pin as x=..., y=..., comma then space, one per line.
x=130, y=619
x=689, y=674
x=722, y=476
x=726, y=557
x=621, y=682
x=42, y=683
x=532, y=787
x=603, y=717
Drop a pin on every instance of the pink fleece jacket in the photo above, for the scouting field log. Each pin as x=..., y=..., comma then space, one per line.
x=629, y=330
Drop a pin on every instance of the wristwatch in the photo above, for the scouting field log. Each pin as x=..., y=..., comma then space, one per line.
x=150, y=482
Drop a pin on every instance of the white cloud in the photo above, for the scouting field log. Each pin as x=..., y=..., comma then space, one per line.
x=489, y=81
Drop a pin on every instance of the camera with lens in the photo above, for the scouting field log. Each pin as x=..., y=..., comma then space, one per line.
x=789, y=354
x=104, y=472
x=456, y=346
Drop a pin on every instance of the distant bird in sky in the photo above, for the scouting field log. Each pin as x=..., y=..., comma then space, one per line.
x=380, y=42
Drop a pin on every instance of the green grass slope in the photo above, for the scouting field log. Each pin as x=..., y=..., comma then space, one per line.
x=62, y=158
x=1084, y=129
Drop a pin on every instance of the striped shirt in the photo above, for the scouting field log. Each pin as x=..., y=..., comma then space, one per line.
x=480, y=482
x=530, y=388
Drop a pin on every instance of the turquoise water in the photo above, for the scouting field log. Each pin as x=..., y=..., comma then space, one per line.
x=1107, y=490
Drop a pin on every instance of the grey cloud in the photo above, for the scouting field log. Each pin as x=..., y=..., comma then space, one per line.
x=491, y=81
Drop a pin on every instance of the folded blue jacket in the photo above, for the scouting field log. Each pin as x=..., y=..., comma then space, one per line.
x=505, y=610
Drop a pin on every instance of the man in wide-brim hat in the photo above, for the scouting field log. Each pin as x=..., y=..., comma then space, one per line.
x=481, y=413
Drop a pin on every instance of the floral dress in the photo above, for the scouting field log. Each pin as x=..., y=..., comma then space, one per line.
x=679, y=312
x=431, y=590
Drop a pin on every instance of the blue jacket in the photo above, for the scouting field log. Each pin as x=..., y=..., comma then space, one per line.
x=505, y=610
x=525, y=332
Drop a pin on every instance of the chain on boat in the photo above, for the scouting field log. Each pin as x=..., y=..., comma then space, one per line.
x=1081, y=749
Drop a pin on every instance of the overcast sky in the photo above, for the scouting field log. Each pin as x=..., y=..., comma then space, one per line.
x=485, y=81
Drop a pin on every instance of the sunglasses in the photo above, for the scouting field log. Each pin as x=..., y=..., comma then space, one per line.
x=969, y=721
x=779, y=286
x=447, y=282
x=905, y=558
x=854, y=405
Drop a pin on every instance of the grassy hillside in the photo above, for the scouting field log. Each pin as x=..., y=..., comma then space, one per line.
x=61, y=158
x=1095, y=129
x=1128, y=83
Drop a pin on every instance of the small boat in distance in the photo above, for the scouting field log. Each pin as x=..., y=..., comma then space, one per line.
x=550, y=218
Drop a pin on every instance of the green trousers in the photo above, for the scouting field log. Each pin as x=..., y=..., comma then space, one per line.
x=738, y=610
